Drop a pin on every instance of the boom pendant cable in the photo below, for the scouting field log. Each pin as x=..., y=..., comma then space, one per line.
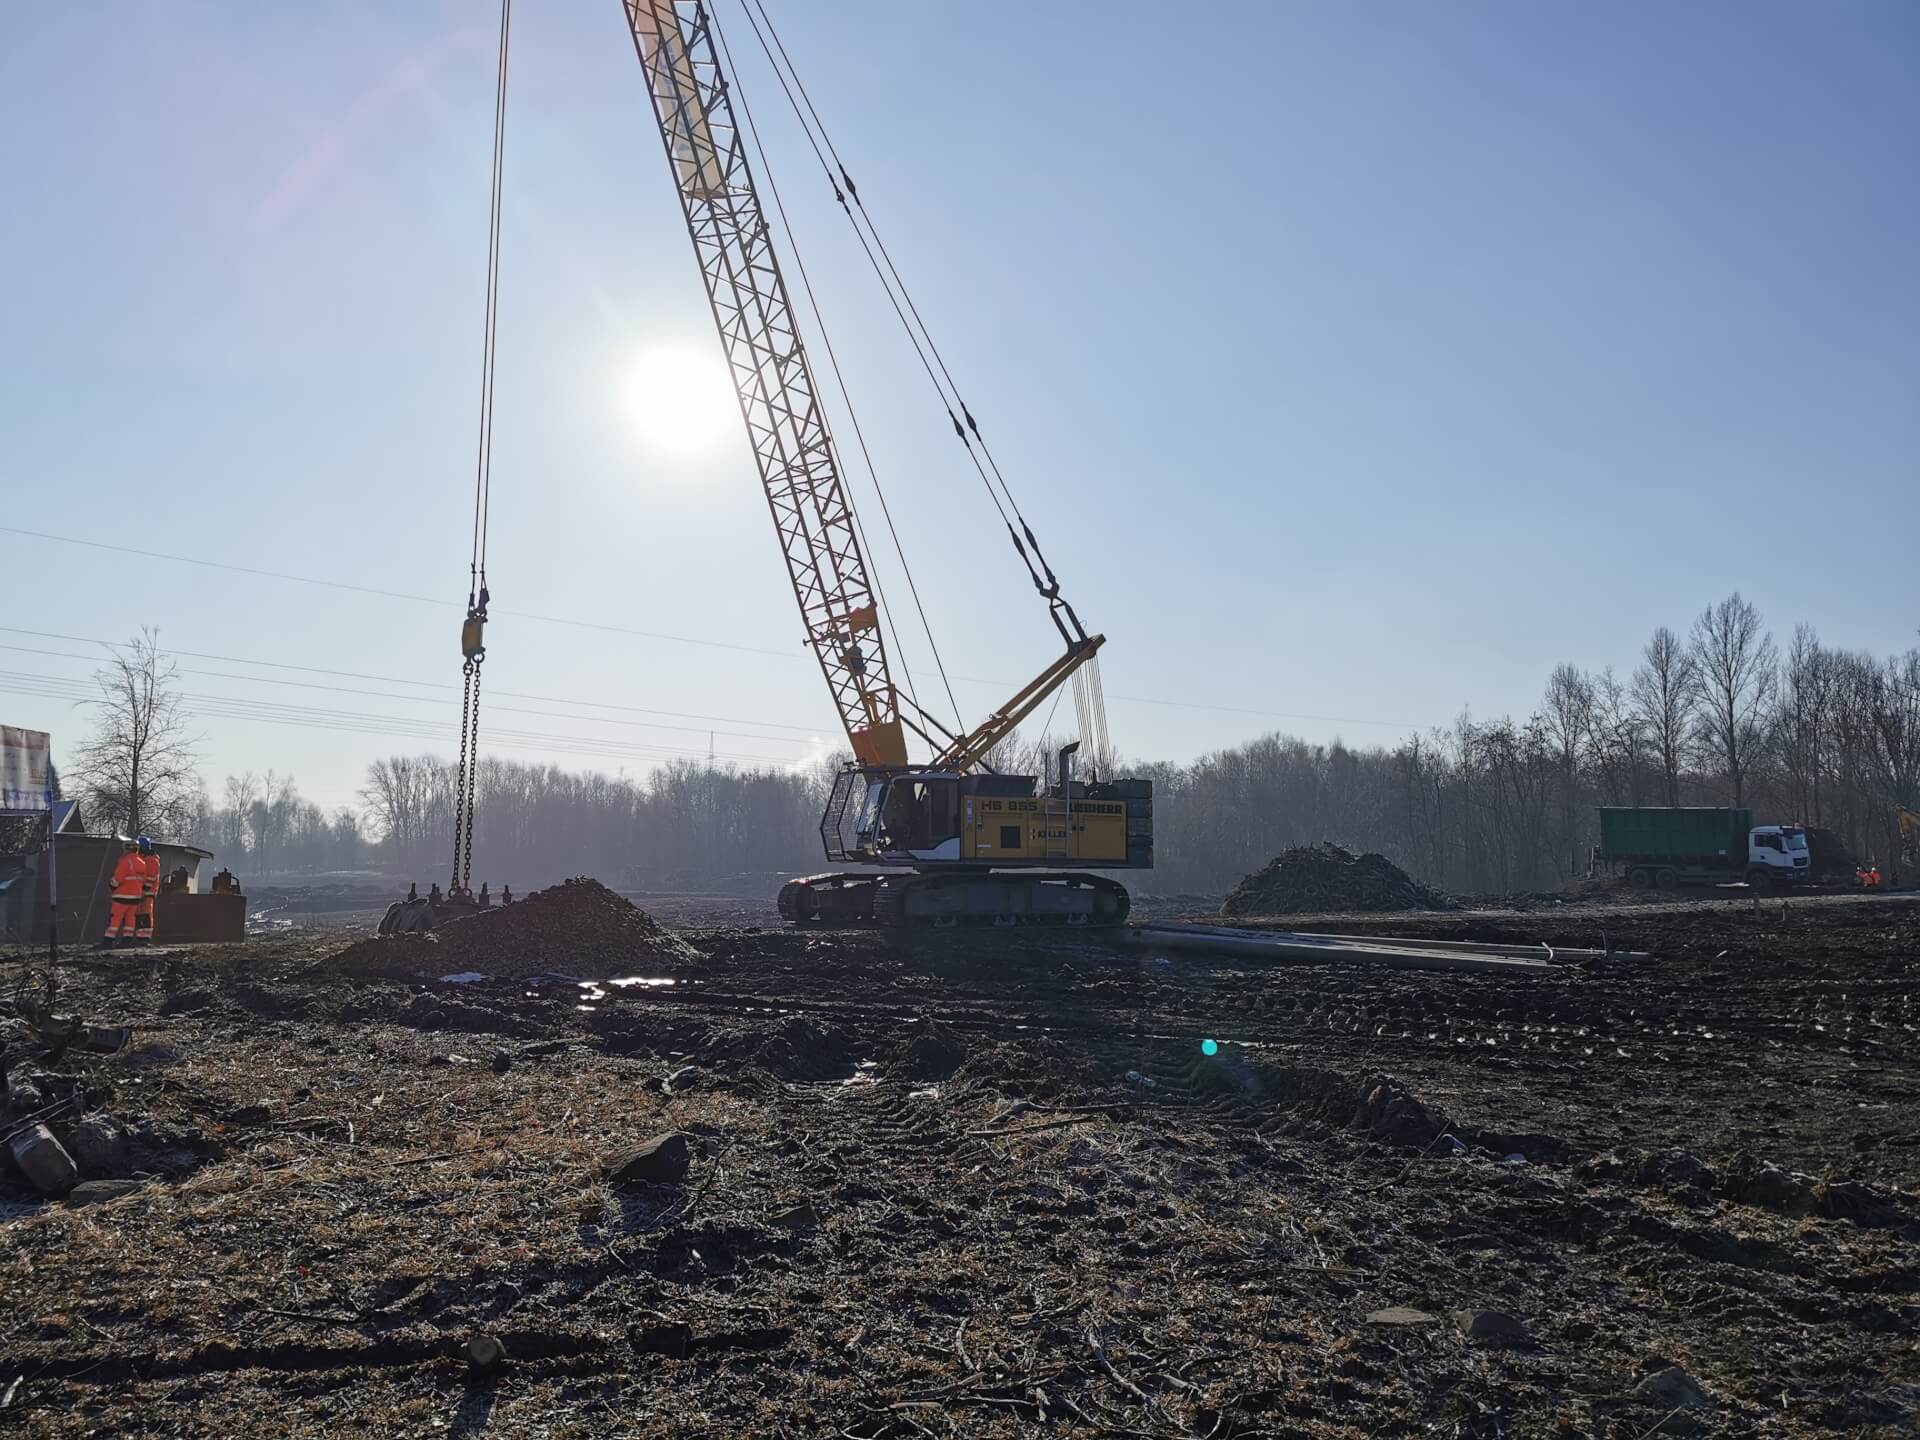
x=473, y=647
x=846, y=400
x=921, y=338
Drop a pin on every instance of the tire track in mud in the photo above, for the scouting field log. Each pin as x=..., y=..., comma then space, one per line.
x=1123, y=1014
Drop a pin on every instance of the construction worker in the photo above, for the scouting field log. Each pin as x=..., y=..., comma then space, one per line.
x=129, y=889
x=150, y=890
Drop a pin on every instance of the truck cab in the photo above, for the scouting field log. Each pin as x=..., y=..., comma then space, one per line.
x=1778, y=855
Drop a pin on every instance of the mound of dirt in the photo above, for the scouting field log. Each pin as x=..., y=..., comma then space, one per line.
x=931, y=1050
x=1832, y=861
x=577, y=928
x=1313, y=878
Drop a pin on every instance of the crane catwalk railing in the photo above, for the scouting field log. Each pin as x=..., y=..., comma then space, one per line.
x=786, y=427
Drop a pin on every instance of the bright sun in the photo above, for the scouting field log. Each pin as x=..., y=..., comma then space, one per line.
x=681, y=399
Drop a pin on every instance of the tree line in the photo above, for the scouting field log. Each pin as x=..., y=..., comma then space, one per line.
x=683, y=825
x=1823, y=736
x=1721, y=716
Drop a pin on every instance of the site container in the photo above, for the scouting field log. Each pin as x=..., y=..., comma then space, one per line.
x=1676, y=835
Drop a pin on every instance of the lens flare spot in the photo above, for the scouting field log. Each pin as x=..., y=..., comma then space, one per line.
x=681, y=400
x=1209, y=1047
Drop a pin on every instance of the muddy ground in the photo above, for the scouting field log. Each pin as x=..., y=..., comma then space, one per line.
x=992, y=1186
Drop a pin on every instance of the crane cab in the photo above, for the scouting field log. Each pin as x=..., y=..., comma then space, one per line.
x=926, y=818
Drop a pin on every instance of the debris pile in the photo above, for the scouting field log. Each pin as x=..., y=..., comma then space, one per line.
x=1832, y=861
x=60, y=1142
x=578, y=928
x=1314, y=878
x=1376, y=1104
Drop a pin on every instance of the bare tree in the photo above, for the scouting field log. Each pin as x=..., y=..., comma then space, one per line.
x=1666, y=691
x=1890, y=703
x=136, y=772
x=1567, y=719
x=1739, y=673
x=1806, y=718
x=347, y=840
x=270, y=816
x=1616, y=740
x=229, y=823
x=396, y=793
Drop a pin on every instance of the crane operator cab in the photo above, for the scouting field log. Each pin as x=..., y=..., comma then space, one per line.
x=955, y=831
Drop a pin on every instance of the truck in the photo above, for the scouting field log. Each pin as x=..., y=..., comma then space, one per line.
x=1665, y=847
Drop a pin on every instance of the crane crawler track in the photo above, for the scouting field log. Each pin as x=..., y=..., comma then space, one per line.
x=970, y=899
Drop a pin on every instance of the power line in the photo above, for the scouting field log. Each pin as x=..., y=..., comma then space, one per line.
x=412, y=727
x=415, y=727
x=808, y=730
x=228, y=707
x=393, y=594
x=649, y=634
x=437, y=700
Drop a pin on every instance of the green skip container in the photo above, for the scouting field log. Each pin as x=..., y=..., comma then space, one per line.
x=1674, y=835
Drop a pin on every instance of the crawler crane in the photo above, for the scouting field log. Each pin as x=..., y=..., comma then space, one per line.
x=942, y=840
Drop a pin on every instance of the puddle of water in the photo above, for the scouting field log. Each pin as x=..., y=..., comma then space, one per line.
x=591, y=989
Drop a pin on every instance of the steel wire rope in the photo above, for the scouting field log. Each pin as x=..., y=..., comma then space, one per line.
x=473, y=633
x=846, y=398
x=912, y=336
x=891, y=270
x=483, y=463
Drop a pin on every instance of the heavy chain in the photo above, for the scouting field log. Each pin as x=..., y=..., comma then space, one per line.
x=471, y=743
x=462, y=813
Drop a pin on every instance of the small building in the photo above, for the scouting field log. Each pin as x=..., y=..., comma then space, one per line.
x=85, y=864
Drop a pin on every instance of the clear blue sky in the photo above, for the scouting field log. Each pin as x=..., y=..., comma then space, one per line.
x=1353, y=361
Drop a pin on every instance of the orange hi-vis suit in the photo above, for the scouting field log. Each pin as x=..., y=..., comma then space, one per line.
x=129, y=890
x=149, y=890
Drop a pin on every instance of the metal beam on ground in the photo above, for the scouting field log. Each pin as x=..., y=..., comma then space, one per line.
x=1281, y=945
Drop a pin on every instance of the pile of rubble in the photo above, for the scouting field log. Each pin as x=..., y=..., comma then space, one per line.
x=62, y=1139
x=1833, y=861
x=1309, y=879
x=578, y=928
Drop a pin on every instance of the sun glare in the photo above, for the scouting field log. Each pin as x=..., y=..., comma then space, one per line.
x=681, y=400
